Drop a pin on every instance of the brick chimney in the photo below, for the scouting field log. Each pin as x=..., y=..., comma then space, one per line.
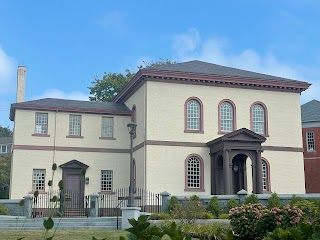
x=21, y=82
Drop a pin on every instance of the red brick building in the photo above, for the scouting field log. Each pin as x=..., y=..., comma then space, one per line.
x=310, y=115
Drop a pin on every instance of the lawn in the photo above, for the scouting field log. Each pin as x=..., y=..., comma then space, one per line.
x=63, y=234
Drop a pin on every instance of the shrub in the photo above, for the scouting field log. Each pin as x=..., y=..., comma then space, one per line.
x=211, y=231
x=189, y=211
x=274, y=201
x=3, y=210
x=295, y=199
x=253, y=221
x=173, y=203
x=160, y=216
x=214, y=207
x=224, y=216
x=252, y=198
x=232, y=203
x=194, y=198
x=311, y=212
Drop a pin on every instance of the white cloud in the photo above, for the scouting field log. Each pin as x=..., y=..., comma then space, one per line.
x=7, y=72
x=189, y=46
x=57, y=93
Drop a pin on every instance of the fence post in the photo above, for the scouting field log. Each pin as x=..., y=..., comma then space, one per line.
x=242, y=194
x=94, y=205
x=27, y=208
x=165, y=201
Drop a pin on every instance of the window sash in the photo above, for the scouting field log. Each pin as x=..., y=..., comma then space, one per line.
x=258, y=119
x=194, y=173
x=38, y=182
x=310, y=141
x=107, y=127
x=41, y=123
x=75, y=125
x=264, y=176
x=106, y=180
x=226, y=117
x=3, y=149
x=193, y=115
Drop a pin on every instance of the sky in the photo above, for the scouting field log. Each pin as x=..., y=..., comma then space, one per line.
x=65, y=44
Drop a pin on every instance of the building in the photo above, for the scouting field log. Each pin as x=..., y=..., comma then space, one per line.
x=5, y=145
x=201, y=129
x=310, y=115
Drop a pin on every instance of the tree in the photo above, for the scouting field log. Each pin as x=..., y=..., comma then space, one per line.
x=5, y=166
x=103, y=90
x=5, y=132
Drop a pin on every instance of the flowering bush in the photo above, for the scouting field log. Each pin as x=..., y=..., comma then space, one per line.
x=253, y=221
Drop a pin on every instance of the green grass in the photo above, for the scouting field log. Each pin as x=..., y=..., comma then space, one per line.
x=63, y=234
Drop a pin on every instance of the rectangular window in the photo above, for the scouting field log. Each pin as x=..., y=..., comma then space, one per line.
x=310, y=141
x=39, y=176
x=41, y=123
x=3, y=149
x=75, y=125
x=106, y=180
x=107, y=127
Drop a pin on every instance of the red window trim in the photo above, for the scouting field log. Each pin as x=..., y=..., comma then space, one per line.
x=186, y=188
x=186, y=130
x=268, y=175
x=234, y=116
x=266, y=129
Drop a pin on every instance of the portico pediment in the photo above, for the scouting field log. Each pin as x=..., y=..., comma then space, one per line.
x=75, y=164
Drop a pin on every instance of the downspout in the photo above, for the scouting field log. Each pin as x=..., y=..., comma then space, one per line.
x=145, y=135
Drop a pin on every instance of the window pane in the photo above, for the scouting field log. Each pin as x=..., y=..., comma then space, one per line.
x=38, y=179
x=75, y=125
x=106, y=180
x=258, y=119
x=310, y=141
x=264, y=175
x=193, y=115
x=41, y=123
x=226, y=117
x=193, y=173
x=3, y=149
x=107, y=127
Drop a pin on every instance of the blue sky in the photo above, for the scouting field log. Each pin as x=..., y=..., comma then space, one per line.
x=64, y=44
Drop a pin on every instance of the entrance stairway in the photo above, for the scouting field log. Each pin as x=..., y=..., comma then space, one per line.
x=80, y=223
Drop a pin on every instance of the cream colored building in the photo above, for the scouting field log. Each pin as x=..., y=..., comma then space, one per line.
x=201, y=129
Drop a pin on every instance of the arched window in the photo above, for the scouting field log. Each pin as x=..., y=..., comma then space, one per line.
x=193, y=115
x=265, y=175
x=227, y=117
x=259, y=120
x=194, y=173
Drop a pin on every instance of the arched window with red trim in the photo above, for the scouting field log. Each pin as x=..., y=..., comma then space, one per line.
x=193, y=115
x=259, y=118
x=194, y=173
x=265, y=175
x=227, y=116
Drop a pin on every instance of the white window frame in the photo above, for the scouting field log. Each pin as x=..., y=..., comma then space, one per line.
x=193, y=115
x=258, y=119
x=194, y=173
x=1, y=149
x=75, y=122
x=41, y=123
x=107, y=126
x=106, y=180
x=226, y=117
x=265, y=175
x=310, y=141
x=38, y=180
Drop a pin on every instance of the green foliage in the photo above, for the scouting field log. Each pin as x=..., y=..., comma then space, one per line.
x=214, y=206
x=224, y=216
x=194, y=198
x=274, y=201
x=5, y=132
x=210, y=231
x=295, y=199
x=189, y=211
x=173, y=203
x=302, y=231
x=252, y=198
x=5, y=169
x=3, y=210
x=160, y=216
x=311, y=212
x=232, y=203
x=103, y=90
x=253, y=221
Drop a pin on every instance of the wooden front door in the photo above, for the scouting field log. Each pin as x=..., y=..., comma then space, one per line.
x=74, y=191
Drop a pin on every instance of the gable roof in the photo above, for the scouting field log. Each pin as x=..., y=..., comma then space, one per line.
x=310, y=111
x=76, y=106
x=209, y=74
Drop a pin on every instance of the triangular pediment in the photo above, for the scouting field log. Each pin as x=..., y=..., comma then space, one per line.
x=75, y=164
x=241, y=135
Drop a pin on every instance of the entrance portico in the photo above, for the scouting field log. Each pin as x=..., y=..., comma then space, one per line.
x=229, y=154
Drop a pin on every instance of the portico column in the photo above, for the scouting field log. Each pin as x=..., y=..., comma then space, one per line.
x=259, y=188
x=254, y=176
x=226, y=171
